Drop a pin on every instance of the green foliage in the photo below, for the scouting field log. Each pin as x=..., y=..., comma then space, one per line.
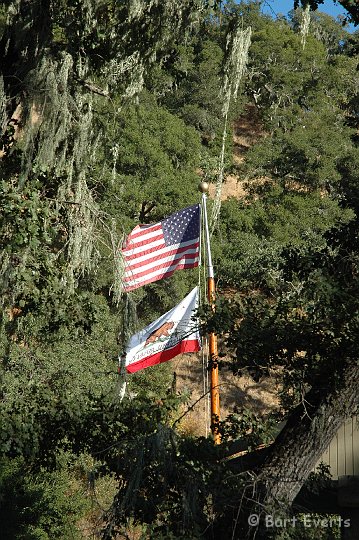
x=245, y=425
x=282, y=71
x=29, y=240
x=306, y=320
x=35, y=509
x=308, y=154
x=301, y=95
x=325, y=29
x=83, y=162
x=202, y=108
x=256, y=233
x=169, y=485
x=59, y=385
x=65, y=501
x=153, y=174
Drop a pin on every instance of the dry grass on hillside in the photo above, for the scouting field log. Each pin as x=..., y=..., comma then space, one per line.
x=247, y=130
x=235, y=392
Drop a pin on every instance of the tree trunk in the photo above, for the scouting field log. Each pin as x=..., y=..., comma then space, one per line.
x=275, y=479
x=22, y=45
x=306, y=436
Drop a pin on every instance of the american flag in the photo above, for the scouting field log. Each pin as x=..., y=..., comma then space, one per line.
x=153, y=252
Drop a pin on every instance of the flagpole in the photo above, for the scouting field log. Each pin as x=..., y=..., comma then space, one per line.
x=212, y=338
x=122, y=382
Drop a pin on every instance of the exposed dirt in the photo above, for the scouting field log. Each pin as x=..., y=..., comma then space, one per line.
x=247, y=130
x=232, y=187
x=16, y=123
x=235, y=392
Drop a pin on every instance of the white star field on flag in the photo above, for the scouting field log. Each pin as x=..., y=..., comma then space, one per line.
x=181, y=226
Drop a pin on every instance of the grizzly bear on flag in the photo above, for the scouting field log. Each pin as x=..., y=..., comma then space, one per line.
x=175, y=332
x=162, y=331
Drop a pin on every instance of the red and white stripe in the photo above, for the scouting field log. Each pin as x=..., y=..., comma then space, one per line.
x=183, y=347
x=147, y=258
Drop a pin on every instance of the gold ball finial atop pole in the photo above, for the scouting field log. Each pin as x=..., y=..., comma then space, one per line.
x=203, y=187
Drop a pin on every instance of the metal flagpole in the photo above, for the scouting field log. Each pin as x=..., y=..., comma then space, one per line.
x=122, y=384
x=213, y=350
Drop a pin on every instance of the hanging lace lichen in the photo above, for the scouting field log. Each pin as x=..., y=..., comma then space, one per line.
x=115, y=152
x=3, y=118
x=81, y=226
x=59, y=140
x=118, y=263
x=305, y=23
x=132, y=61
x=236, y=58
x=48, y=118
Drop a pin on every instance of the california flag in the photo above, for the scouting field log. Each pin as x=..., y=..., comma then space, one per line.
x=173, y=333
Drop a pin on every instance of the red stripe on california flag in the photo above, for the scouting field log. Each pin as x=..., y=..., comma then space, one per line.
x=185, y=346
x=186, y=266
